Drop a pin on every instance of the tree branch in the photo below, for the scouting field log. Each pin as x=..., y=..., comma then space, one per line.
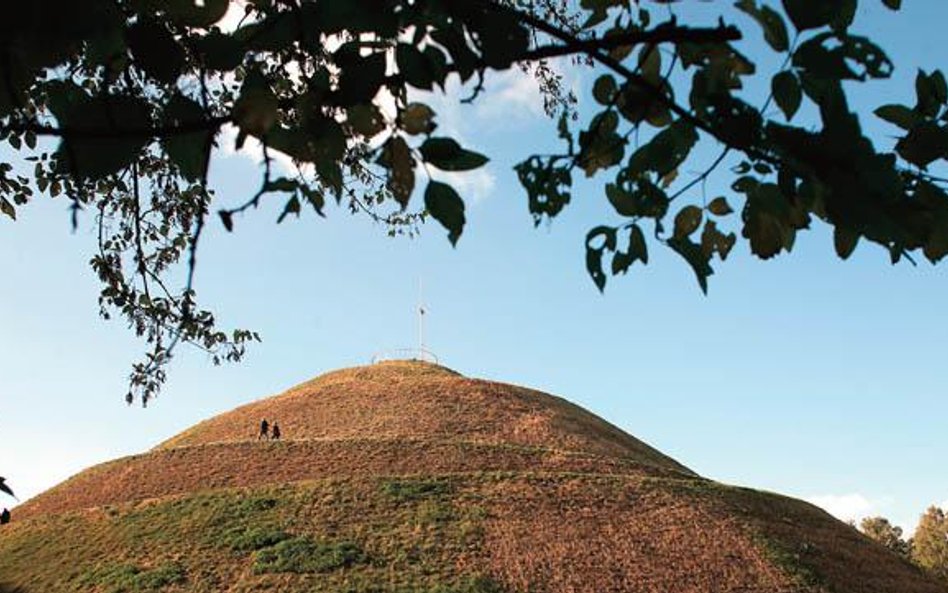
x=39, y=129
x=570, y=41
x=665, y=33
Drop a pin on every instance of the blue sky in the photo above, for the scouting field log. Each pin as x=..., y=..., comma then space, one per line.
x=804, y=375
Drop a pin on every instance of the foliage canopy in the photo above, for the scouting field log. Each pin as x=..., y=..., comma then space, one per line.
x=137, y=92
x=930, y=543
x=881, y=530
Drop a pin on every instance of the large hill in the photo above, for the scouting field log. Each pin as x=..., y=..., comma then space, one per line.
x=408, y=477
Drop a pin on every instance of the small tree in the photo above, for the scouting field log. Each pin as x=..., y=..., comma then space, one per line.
x=879, y=529
x=930, y=544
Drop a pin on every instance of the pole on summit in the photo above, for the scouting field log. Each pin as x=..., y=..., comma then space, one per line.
x=421, y=322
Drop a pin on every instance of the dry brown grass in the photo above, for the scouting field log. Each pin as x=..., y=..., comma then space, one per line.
x=178, y=471
x=536, y=532
x=441, y=484
x=417, y=400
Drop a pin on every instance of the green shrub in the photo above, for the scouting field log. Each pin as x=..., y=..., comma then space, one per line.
x=793, y=561
x=128, y=578
x=415, y=489
x=155, y=579
x=435, y=512
x=303, y=555
x=253, y=505
x=251, y=539
x=478, y=584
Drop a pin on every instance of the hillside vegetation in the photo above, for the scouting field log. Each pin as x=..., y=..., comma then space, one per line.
x=452, y=485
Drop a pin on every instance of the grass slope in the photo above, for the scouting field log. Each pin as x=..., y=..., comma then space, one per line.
x=409, y=478
x=179, y=471
x=417, y=400
x=461, y=533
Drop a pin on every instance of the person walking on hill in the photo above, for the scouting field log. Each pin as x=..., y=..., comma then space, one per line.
x=276, y=432
x=264, y=430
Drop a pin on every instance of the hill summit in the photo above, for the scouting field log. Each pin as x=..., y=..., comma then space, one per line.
x=408, y=477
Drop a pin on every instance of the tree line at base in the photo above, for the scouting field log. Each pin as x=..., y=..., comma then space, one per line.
x=927, y=548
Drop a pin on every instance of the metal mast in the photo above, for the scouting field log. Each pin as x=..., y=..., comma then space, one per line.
x=421, y=322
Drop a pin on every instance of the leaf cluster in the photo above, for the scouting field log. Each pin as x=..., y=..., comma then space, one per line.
x=136, y=95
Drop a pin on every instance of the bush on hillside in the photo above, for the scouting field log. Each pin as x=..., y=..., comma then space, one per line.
x=415, y=489
x=251, y=539
x=303, y=555
x=128, y=578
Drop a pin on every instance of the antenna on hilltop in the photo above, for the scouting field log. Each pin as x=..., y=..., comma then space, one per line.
x=420, y=352
x=421, y=319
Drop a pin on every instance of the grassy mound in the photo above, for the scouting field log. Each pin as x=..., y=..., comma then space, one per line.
x=486, y=533
x=404, y=400
x=406, y=477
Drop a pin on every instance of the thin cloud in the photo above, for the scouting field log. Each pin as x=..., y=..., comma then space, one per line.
x=511, y=94
x=845, y=507
x=474, y=186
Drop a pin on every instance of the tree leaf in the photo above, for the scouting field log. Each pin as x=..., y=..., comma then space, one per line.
x=600, y=146
x=695, y=257
x=219, y=51
x=417, y=118
x=401, y=166
x=447, y=155
x=687, y=221
x=931, y=92
x=98, y=155
x=256, y=109
x=360, y=77
x=810, y=14
x=638, y=249
x=892, y=4
x=7, y=208
x=844, y=240
x=719, y=206
x=598, y=240
x=650, y=64
x=189, y=152
x=547, y=184
x=665, y=152
x=775, y=31
x=447, y=207
x=605, y=89
x=768, y=219
x=839, y=56
x=155, y=50
x=501, y=41
x=315, y=198
x=899, y=115
x=292, y=207
x=226, y=219
x=714, y=241
x=454, y=40
x=283, y=184
x=366, y=119
x=787, y=92
x=414, y=66
x=924, y=144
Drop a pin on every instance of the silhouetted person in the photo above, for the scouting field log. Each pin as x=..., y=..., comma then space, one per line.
x=4, y=517
x=276, y=432
x=264, y=430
